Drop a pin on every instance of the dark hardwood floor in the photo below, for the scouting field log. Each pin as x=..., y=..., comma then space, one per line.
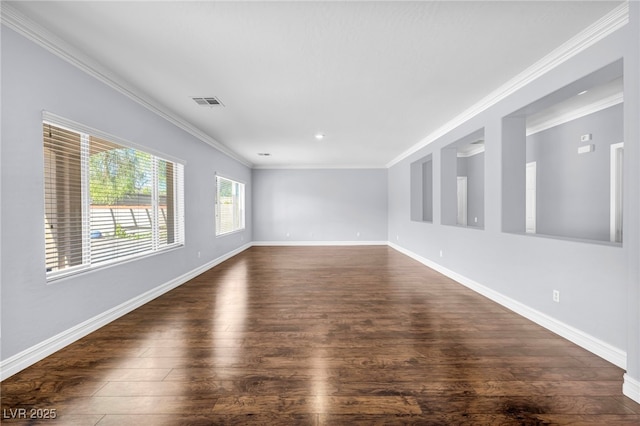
x=321, y=335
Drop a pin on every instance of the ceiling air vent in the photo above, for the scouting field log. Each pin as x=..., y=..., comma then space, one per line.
x=209, y=101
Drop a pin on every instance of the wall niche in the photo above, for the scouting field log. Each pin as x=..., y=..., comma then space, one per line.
x=562, y=161
x=422, y=190
x=462, y=177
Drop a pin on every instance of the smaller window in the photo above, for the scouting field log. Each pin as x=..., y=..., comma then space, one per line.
x=229, y=206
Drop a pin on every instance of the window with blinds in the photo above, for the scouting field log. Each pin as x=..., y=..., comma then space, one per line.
x=229, y=206
x=106, y=202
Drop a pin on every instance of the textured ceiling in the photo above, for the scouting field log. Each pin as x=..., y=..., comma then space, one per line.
x=375, y=77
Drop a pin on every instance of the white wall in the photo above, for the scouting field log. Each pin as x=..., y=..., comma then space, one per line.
x=32, y=310
x=320, y=205
x=598, y=283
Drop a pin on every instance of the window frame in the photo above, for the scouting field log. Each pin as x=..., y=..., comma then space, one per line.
x=241, y=220
x=157, y=246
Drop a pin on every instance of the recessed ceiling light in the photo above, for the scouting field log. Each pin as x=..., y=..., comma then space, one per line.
x=583, y=92
x=319, y=136
x=264, y=154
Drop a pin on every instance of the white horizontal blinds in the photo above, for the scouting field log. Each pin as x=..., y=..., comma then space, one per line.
x=230, y=206
x=179, y=202
x=238, y=204
x=63, y=198
x=166, y=203
x=121, y=183
x=105, y=201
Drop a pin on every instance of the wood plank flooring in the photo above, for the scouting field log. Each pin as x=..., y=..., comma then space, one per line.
x=321, y=336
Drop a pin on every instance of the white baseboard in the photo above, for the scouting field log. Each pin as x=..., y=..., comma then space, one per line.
x=30, y=356
x=594, y=345
x=319, y=243
x=631, y=388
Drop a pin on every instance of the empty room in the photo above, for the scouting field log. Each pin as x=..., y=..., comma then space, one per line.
x=320, y=212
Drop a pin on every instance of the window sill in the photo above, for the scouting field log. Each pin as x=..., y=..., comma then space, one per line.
x=63, y=276
x=569, y=239
x=226, y=234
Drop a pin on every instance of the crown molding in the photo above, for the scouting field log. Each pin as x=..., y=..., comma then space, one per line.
x=602, y=28
x=472, y=152
x=319, y=167
x=24, y=26
x=591, y=108
x=608, y=24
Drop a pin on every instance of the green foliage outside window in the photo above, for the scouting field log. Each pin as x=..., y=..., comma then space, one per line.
x=118, y=173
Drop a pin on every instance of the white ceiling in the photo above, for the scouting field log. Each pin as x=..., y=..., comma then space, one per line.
x=375, y=77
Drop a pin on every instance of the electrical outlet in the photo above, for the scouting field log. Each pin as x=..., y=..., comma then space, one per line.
x=198, y=255
x=556, y=296
x=357, y=234
x=441, y=253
